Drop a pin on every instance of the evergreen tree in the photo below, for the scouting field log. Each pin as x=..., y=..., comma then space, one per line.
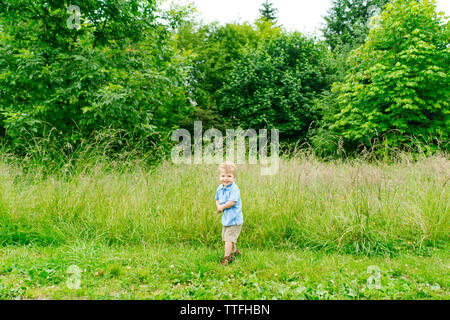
x=269, y=12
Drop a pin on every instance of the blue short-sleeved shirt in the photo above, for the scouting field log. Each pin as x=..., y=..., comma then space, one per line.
x=232, y=216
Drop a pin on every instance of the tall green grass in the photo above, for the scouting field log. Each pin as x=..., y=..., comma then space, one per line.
x=351, y=206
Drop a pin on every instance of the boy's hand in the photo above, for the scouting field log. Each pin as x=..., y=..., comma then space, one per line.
x=219, y=209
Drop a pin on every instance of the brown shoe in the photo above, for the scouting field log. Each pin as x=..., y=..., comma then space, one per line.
x=227, y=260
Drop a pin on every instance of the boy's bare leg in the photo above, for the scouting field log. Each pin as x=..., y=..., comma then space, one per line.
x=234, y=249
x=228, y=248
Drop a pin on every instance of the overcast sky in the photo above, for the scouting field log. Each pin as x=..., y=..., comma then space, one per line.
x=302, y=15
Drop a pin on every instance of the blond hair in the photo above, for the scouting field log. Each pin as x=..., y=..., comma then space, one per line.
x=228, y=167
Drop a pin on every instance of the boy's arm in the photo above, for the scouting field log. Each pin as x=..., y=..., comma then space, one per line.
x=227, y=205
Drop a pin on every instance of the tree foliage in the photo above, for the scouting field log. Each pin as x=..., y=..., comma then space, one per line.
x=275, y=86
x=130, y=67
x=213, y=50
x=118, y=70
x=398, y=85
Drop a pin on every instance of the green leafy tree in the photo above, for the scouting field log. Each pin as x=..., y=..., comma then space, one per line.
x=115, y=69
x=275, y=86
x=212, y=50
x=346, y=28
x=398, y=85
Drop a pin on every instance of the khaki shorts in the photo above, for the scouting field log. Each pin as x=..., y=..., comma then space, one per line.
x=231, y=233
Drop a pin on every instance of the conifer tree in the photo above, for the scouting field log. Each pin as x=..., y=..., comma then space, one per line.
x=269, y=12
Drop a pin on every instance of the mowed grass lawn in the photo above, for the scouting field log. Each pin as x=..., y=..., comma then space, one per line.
x=335, y=230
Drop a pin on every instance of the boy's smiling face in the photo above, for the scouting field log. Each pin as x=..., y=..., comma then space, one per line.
x=226, y=178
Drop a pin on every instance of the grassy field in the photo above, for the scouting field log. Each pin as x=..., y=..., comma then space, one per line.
x=189, y=272
x=334, y=230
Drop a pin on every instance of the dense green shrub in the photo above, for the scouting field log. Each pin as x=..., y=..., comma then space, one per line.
x=275, y=86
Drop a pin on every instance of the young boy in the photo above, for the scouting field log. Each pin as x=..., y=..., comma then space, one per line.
x=228, y=201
